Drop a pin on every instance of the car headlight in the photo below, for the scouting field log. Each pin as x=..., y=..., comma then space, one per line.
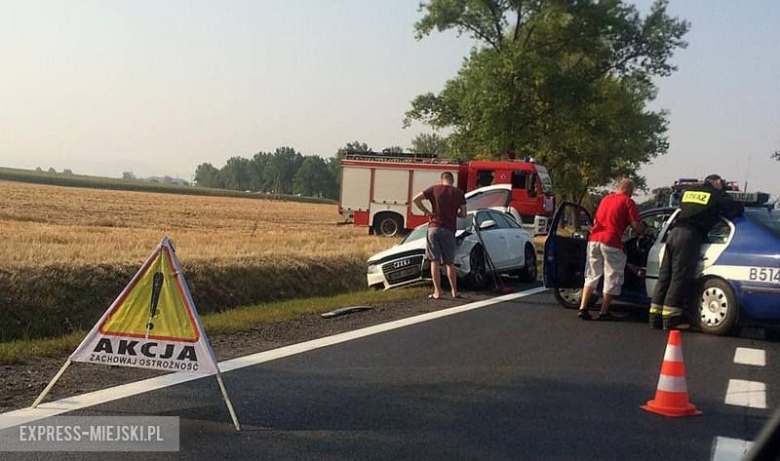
x=374, y=269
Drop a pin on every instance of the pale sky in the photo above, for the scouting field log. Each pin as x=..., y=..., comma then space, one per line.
x=157, y=87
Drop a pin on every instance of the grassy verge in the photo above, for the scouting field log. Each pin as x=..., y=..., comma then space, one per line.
x=232, y=321
x=50, y=301
x=98, y=182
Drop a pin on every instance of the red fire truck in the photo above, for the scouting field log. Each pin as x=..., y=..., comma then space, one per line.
x=377, y=188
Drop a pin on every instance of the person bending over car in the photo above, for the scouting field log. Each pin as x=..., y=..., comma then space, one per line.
x=605, y=247
x=449, y=204
x=699, y=211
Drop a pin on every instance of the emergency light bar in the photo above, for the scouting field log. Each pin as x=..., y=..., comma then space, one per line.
x=750, y=198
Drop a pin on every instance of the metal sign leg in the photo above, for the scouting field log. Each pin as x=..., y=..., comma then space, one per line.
x=227, y=401
x=51, y=384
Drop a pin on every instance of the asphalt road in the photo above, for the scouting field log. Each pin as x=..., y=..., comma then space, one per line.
x=513, y=381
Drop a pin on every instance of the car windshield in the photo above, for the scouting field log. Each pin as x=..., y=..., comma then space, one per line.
x=420, y=232
x=766, y=218
x=416, y=234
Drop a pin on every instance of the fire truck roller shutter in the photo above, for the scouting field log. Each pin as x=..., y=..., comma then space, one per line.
x=356, y=182
x=423, y=179
x=391, y=186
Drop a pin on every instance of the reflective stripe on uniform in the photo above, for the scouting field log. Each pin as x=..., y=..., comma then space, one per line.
x=669, y=311
x=656, y=309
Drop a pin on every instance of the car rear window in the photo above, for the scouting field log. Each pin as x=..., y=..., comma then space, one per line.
x=488, y=199
x=766, y=218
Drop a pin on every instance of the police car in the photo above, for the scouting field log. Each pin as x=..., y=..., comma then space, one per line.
x=738, y=280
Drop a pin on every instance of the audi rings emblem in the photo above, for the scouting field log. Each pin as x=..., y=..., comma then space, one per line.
x=401, y=263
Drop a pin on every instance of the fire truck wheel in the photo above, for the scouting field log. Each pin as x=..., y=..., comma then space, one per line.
x=388, y=224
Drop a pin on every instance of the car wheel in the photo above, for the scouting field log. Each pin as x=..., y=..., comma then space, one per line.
x=717, y=307
x=570, y=297
x=529, y=272
x=478, y=276
x=388, y=225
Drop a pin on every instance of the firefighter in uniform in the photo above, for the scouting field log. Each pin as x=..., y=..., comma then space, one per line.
x=700, y=209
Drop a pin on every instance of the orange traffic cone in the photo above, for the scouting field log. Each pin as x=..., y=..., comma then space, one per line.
x=671, y=395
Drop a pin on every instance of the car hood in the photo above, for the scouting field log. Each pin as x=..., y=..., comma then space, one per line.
x=413, y=246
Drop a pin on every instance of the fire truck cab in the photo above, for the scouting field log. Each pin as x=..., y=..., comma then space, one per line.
x=377, y=188
x=532, y=194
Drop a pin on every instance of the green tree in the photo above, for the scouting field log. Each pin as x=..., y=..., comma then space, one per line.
x=258, y=166
x=314, y=178
x=393, y=150
x=353, y=147
x=660, y=197
x=566, y=81
x=776, y=155
x=281, y=169
x=236, y=174
x=206, y=175
x=128, y=176
x=429, y=143
x=334, y=168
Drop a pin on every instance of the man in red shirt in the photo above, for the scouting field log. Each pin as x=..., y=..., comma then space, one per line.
x=449, y=204
x=605, y=247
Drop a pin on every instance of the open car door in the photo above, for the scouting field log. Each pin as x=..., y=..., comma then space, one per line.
x=565, y=250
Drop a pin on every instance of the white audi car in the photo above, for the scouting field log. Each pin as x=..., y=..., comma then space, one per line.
x=508, y=246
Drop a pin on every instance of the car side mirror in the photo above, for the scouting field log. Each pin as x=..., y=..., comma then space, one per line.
x=487, y=224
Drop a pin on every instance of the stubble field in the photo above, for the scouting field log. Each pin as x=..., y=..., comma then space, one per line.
x=42, y=225
x=65, y=253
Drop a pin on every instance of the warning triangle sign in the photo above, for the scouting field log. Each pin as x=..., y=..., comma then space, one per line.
x=152, y=324
x=153, y=305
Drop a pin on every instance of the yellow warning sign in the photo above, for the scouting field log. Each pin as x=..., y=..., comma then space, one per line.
x=154, y=305
x=153, y=324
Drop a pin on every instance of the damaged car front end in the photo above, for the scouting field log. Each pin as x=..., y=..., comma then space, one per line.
x=405, y=263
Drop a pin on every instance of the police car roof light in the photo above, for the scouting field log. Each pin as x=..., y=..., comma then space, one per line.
x=750, y=198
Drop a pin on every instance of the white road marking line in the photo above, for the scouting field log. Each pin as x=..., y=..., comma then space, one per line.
x=751, y=394
x=728, y=449
x=48, y=409
x=748, y=356
x=743, y=393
